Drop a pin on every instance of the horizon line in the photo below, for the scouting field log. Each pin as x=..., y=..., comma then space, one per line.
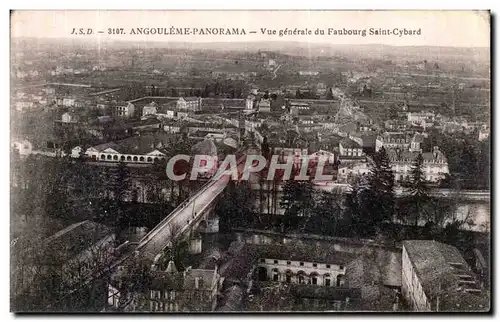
x=236, y=41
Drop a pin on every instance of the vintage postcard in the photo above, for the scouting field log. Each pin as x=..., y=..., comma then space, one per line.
x=250, y=161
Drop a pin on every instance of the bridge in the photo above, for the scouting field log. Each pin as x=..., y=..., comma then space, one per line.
x=185, y=216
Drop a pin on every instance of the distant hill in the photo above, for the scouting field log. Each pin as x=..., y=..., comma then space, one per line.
x=372, y=51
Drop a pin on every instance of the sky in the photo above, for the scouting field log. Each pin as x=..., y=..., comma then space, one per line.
x=437, y=28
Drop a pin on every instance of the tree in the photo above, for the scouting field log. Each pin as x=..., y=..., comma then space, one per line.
x=418, y=192
x=297, y=199
x=379, y=198
x=177, y=248
x=118, y=181
x=326, y=214
x=59, y=283
x=329, y=94
x=236, y=207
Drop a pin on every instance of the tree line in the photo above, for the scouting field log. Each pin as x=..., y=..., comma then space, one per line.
x=368, y=210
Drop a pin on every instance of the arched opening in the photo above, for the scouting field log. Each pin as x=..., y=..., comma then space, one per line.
x=115, y=157
x=108, y=157
x=141, y=159
x=150, y=159
x=314, y=278
x=135, y=159
x=340, y=280
x=301, y=277
x=262, y=272
x=122, y=158
x=288, y=276
x=103, y=157
x=328, y=280
x=129, y=158
x=156, y=160
x=276, y=275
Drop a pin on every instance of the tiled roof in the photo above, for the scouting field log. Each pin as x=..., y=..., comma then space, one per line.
x=303, y=253
x=137, y=144
x=437, y=266
x=206, y=147
x=350, y=144
x=408, y=156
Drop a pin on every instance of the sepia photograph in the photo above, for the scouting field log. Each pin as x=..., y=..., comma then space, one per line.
x=248, y=161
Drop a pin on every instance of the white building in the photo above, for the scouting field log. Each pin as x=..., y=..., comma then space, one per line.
x=349, y=148
x=68, y=102
x=484, y=133
x=308, y=73
x=421, y=118
x=435, y=164
x=150, y=109
x=24, y=147
x=394, y=140
x=68, y=118
x=20, y=106
x=189, y=103
x=347, y=171
x=281, y=263
x=265, y=105
x=138, y=149
x=125, y=110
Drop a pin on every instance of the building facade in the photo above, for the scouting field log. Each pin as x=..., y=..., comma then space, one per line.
x=301, y=272
x=192, y=104
x=435, y=164
x=349, y=148
x=125, y=110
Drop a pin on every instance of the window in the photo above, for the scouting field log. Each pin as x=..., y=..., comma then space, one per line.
x=109, y=157
x=341, y=267
x=301, y=263
x=276, y=275
x=141, y=159
x=327, y=280
x=328, y=265
x=340, y=280
x=275, y=261
x=115, y=157
x=103, y=157
x=288, y=276
x=262, y=260
x=315, y=265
